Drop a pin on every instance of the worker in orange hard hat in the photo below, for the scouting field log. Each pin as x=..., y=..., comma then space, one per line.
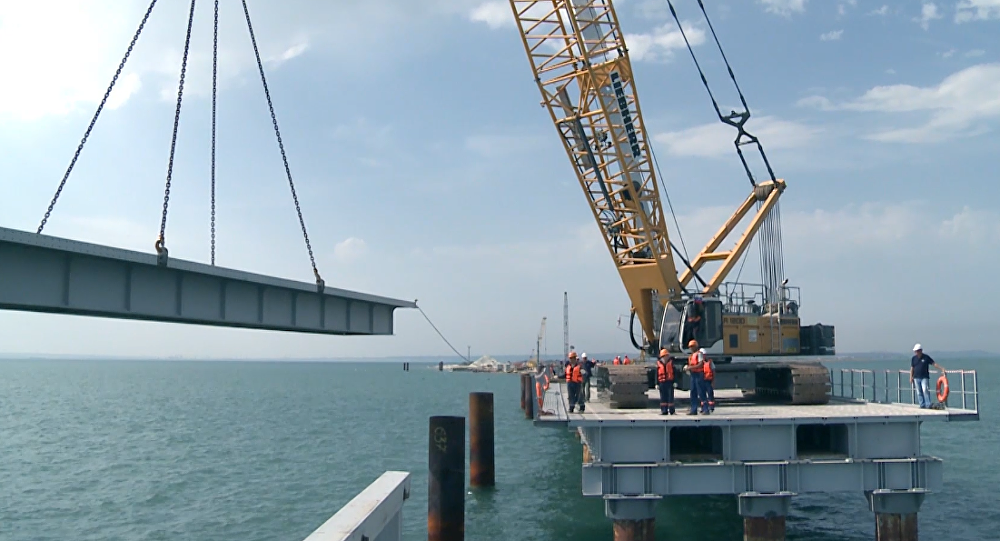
x=574, y=383
x=665, y=382
x=695, y=367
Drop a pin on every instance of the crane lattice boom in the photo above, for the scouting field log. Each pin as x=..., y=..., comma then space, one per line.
x=578, y=55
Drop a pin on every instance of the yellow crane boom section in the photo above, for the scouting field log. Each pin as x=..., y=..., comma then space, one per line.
x=580, y=62
x=577, y=53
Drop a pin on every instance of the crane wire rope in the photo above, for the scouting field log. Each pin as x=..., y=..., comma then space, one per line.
x=161, y=241
x=433, y=326
x=670, y=204
x=769, y=245
x=281, y=147
x=215, y=85
x=93, y=121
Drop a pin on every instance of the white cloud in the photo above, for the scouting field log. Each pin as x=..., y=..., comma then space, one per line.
x=974, y=53
x=949, y=53
x=288, y=54
x=982, y=10
x=660, y=44
x=890, y=71
x=842, y=8
x=882, y=11
x=716, y=139
x=975, y=226
x=64, y=52
x=127, y=85
x=963, y=104
x=351, y=249
x=785, y=8
x=494, y=14
x=928, y=12
x=832, y=35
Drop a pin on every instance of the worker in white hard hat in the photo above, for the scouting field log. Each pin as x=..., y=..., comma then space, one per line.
x=587, y=367
x=920, y=375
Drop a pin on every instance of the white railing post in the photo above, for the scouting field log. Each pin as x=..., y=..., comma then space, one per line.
x=373, y=515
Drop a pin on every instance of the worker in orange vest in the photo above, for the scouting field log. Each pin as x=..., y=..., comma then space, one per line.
x=574, y=383
x=627, y=360
x=708, y=390
x=617, y=361
x=665, y=381
x=696, y=368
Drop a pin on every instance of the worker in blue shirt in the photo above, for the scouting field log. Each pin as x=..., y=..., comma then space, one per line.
x=920, y=375
x=587, y=365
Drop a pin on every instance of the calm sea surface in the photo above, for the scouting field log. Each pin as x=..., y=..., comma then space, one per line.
x=254, y=451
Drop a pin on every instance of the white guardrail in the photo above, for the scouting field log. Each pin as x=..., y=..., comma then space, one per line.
x=373, y=515
x=894, y=387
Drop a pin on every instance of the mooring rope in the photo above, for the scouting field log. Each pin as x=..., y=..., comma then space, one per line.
x=433, y=326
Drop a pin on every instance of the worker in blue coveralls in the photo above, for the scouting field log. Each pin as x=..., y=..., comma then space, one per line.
x=920, y=375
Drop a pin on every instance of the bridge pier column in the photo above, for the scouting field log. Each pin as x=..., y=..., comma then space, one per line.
x=895, y=514
x=633, y=520
x=764, y=516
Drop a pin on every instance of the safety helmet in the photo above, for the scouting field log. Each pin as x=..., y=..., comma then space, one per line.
x=693, y=344
x=664, y=353
x=584, y=356
x=572, y=355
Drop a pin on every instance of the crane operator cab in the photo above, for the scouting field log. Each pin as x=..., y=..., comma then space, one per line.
x=694, y=319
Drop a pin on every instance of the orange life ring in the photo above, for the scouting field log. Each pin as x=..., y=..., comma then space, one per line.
x=942, y=389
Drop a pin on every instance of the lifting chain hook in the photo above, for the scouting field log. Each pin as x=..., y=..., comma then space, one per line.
x=161, y=251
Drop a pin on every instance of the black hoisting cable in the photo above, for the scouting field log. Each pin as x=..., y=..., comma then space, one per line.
x=215, y=84
x=737, y=120
x=281, y=147
x=670, y=204
x=93, y=121
x=161, y=246
x=433, y=326
x=746, y=108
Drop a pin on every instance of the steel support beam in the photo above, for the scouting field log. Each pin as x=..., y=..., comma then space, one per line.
x=916, y=475
x=39, y=273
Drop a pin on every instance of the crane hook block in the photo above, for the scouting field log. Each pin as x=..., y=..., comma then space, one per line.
x=161, y=252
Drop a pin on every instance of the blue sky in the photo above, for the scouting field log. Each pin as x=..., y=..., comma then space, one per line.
x=426, y=168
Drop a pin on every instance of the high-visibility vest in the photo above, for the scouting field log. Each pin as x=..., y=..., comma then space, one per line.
x=664, y=371
x=709, y=373
x=695, y=363
x=574, y=374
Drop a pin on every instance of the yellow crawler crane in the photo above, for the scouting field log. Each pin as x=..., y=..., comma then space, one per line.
x=580, y=62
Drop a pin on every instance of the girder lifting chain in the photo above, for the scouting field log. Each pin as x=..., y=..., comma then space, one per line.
x=160, y=245
x=215, y=87
x=281, y=146
x=93, y=121
x=734, y=119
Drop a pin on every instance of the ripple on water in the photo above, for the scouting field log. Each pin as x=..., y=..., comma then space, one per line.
x=262, y=451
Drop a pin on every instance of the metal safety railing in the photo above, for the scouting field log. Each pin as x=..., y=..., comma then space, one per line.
x=894, y=387
x=373, y=515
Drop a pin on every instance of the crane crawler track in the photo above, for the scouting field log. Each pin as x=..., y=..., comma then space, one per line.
x=797, y=383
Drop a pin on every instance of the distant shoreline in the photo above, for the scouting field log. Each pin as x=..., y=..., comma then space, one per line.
x=843, y=357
